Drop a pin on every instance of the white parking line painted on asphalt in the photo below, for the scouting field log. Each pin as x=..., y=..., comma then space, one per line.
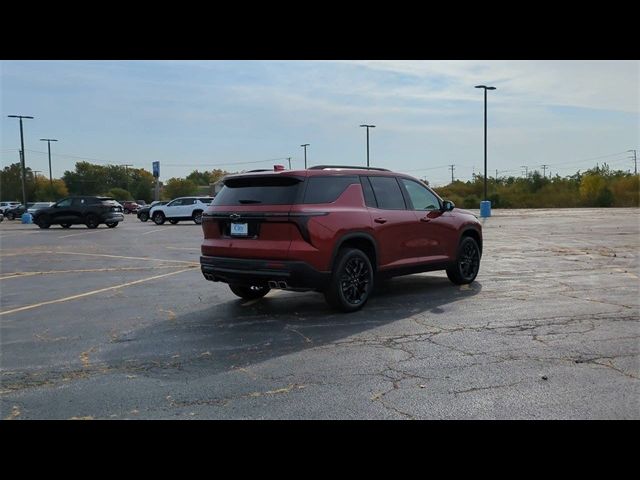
x=120, y=256
x=86, y=294
x=151, y=231
x=84, y=233
x=117, y=269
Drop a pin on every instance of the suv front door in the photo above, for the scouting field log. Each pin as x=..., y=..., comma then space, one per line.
x=61, y=211
x=431, y=222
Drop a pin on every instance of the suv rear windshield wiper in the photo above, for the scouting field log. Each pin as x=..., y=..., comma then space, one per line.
x=250, y=201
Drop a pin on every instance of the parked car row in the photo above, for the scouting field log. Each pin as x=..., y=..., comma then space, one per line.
x=11, y=213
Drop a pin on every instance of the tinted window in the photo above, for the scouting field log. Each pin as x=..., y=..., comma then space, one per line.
x=326, y=189
x=205, y=200
x=65, y=203
x=175, y=203
x=78, y=202
x=388, y=193
x=420, y=196
x=276, y=190
x=369, y=197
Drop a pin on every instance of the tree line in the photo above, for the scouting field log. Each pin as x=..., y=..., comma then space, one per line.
x=119, y=182
x=597, y=187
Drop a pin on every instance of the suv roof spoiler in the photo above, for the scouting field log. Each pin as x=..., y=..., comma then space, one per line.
x=351, y=167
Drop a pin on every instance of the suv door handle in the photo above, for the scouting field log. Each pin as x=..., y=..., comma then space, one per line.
x=380, y=220
x=425, y=219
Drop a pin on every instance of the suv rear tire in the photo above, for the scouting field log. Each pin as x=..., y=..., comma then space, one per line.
x=197, y=217
x=249, y=293
x=351, y=281
x=467, y=264
x=144, y=217
x=158, y=218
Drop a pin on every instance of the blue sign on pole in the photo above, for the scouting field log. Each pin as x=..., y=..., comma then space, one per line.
x=156, y=169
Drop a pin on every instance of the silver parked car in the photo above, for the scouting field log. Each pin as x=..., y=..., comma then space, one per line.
x=37, y=206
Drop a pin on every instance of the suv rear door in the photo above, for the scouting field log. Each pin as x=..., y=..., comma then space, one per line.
x=249, y=218
x=394, y=225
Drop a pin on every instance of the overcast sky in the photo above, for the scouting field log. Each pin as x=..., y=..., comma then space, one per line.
x=206, y=114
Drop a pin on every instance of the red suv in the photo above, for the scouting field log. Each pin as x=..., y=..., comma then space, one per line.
x=333, y=229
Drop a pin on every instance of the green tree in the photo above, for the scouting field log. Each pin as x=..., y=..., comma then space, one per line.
x=178, y=187
x=50, y=191
x=119, y=194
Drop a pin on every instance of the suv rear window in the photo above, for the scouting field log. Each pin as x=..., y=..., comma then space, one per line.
x=272, y=190
x=388, y=193
x=327, y=189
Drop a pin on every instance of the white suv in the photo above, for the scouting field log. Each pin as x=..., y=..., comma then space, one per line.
x=183, y=208
x=7, y=205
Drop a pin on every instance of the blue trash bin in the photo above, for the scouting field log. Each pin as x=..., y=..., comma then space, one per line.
x=27, y=218
x=485, y=208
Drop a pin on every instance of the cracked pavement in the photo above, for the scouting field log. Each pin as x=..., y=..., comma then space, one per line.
x=550, y=329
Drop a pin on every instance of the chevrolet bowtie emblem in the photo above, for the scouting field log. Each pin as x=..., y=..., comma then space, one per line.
x=234, y=216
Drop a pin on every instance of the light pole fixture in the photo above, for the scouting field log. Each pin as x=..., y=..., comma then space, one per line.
x=49, y=140
x=485, y=138
x=22, y=157
x=368, y=127
x=305, y=145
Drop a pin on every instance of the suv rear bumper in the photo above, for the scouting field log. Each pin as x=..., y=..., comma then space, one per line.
x=240, y=271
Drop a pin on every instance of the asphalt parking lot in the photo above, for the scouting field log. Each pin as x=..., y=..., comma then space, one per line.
x=120, y=324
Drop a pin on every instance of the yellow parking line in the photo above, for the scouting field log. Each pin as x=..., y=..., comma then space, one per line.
x=86, y=294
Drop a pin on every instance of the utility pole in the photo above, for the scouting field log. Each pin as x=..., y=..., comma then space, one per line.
x=22, y=157
x=635, y=162
x=544, y=170
x=49, y=140
x=526, y=170
x=452, y=167
x=368, y=127
x=305, y=145
x=289, y=159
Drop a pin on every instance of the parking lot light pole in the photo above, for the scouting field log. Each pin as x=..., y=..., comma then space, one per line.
x=368, y=127
x=485, y=143
x=305, y=145
x=49, y=140
x=22, y=157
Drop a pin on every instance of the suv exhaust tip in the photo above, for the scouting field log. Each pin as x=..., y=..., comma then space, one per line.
x=272, y=284
x=280, y=285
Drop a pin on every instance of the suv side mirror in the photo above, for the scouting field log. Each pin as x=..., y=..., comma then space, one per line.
x=448, y=205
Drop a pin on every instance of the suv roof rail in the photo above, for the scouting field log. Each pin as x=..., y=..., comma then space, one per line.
x=259, y=170
x=324, y=167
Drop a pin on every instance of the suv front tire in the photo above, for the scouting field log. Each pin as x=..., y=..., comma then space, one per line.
x=467, y=264
x=158, y=218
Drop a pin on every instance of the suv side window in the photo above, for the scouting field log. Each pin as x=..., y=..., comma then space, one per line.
x=65, y=203
x=388, y=193
x=421, y=197
x=326, y=189
x=367, y=190
x=188, y=201
x=175, y=203
x=79, y=202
